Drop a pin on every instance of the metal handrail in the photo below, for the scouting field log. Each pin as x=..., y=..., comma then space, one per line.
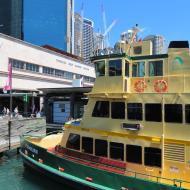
x=159, y=177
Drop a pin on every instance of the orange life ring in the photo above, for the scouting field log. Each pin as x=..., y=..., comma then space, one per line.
x=140, y=85
x=160, y=86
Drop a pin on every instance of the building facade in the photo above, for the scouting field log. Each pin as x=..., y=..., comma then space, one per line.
x=78, y=31
x=49, y=23
x=84, y=39
x=35, y=67
x=98, y=41
x=88, y=40
x=11, y=18
x=157, y=43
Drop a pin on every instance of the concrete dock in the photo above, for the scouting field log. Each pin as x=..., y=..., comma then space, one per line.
x=11, y=130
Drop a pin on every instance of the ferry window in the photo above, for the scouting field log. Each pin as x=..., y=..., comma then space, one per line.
x=137, y=50
x=153, y=112
x=100, y=68
x=87, y=145
x=101, y=148
x=118, y=110
x=173, y=113
x=156, y=68
x=138, y=69
x=126, y=68
x=152, y=156
x=134, y=154
x=116, y=151
x=73, y=141
x=101, y=109
x=187, y=113
x=134, y=111
x=115, y=67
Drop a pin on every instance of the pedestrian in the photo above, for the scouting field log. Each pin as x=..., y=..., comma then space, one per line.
x=16, y=111
x=8, y=111
x=4, y=111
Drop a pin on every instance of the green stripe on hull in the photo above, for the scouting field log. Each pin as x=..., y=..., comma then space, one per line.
x=102, y=179
x=63, y=174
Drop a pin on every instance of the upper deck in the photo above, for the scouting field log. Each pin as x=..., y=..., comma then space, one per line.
x=138, y=71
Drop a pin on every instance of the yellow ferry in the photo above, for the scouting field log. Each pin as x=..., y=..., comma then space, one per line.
x=135, y=132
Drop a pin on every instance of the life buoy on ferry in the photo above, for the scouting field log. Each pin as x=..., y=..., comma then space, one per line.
x=140, y=85
x=160, y=86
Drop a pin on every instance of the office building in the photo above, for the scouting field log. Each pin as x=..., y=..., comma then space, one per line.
x=88, y=40
x=11, y=17
x=78, y=35
x=48, y=22
x=157, y=43
x=98, y=41
x=84, y=39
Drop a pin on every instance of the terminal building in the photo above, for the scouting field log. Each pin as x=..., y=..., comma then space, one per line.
x=36, y=67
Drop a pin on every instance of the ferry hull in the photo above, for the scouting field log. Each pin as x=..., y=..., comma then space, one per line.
x=66, y=181
x=81, y=176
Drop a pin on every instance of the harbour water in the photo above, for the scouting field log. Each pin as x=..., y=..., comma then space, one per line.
x=14, y=176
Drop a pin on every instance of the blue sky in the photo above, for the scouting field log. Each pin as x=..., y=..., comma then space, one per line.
x=170, y=18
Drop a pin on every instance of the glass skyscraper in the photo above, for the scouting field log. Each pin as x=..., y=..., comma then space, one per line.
x=11, y=17
x=88, y=39
x=49, y=22
x=83, y=37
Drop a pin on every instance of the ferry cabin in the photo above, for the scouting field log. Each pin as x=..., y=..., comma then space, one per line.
x=139, y=112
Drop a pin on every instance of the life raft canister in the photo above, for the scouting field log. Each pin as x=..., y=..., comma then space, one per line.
x=140, y=85
x=160, y=86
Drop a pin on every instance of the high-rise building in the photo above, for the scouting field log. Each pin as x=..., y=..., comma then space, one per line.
x=157, y=43
x=78, y=35
x=11, y=17
x=84, y=40
x=48, y=22
x=98, y=41
x=88, y=39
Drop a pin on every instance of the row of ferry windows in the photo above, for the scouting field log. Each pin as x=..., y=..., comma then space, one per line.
x=134, y=154
x=138, y=68
x=153, y=111
x=47, y=70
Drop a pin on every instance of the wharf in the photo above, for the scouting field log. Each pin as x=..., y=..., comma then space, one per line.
x=11, y=130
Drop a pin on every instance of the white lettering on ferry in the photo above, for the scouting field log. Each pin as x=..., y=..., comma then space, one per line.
x=32, y=149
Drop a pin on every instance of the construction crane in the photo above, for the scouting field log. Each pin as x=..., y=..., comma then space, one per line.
x=106, y=29
x=105, y=35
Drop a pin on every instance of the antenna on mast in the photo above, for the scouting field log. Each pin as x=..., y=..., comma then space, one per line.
x=134, y=32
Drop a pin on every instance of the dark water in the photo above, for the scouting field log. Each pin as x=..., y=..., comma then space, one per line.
x=13, y=176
